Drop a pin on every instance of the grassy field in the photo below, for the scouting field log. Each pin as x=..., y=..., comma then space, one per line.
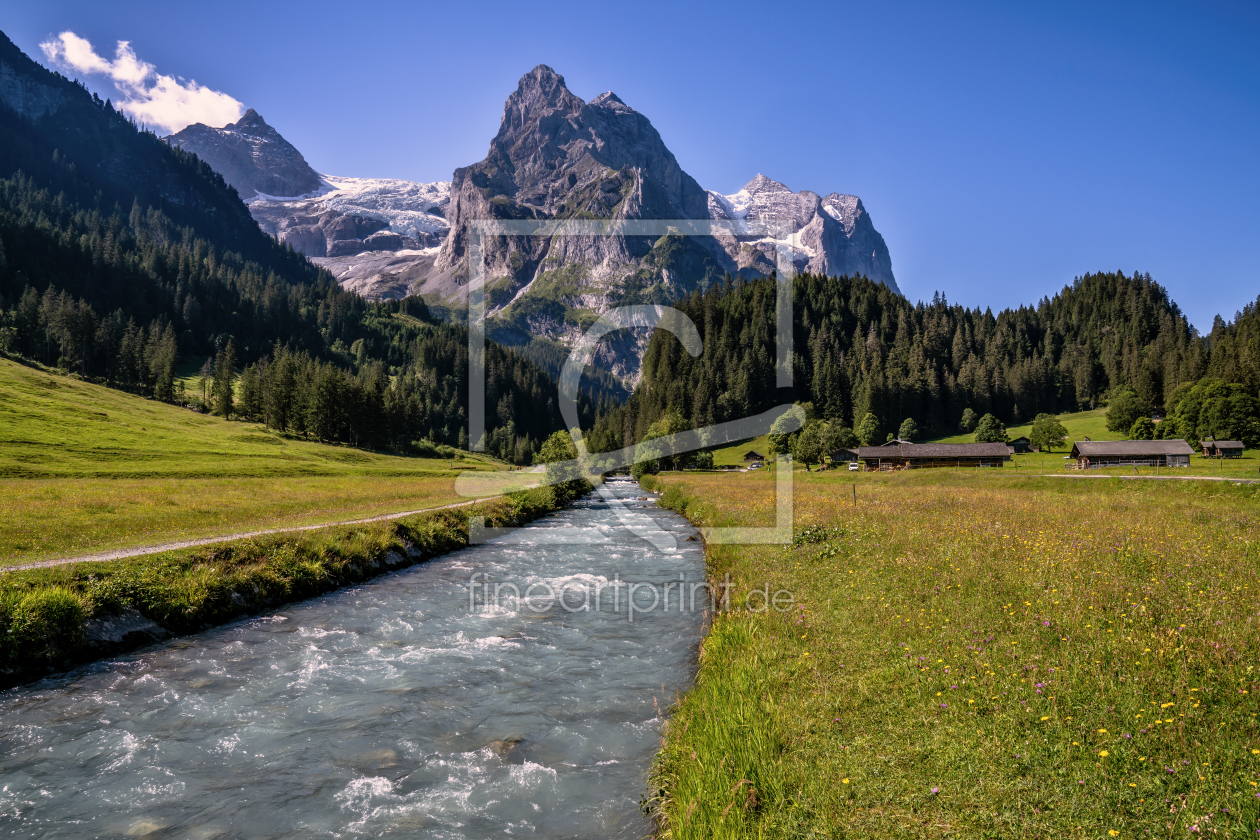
x=734, y=455
x=975, y=655
x=1082, y=424
x=85, y=468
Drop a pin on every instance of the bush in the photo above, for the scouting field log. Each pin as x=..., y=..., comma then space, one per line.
x=1142, y=429
x=1123, y=410
x=42, y=627
x=990, y=430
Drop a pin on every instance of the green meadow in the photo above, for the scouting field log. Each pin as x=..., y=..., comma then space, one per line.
x=85, y=468
x=975, y=654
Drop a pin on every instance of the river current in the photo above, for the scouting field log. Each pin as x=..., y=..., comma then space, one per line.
x=404, y=707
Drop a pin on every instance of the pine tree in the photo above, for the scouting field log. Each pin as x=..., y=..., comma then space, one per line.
x=224, y=372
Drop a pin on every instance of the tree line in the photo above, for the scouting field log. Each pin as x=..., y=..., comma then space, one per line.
x=867, y=360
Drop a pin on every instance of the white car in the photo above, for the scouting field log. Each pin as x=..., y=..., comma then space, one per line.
x=854, y=466
x=755, y=466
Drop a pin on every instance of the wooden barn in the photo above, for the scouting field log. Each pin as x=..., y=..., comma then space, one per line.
x=1222, y=448
x=1092, y=454
x=913, y=456
x=1021, y=445
x=753, y=455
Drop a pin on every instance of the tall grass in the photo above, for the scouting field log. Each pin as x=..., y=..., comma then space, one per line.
x=1001, y=658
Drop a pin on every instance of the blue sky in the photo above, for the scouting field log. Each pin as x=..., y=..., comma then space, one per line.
x=1000, y=149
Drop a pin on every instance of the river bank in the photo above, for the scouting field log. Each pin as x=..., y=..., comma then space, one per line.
x=56, y=618
x=994, y=655
x=516, y=686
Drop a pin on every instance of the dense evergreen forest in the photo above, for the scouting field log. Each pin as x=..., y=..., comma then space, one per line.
x=120, y=256
x=860, y=349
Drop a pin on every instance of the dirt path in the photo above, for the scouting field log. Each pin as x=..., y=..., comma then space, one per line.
x=1161, y=477
x=123, y=553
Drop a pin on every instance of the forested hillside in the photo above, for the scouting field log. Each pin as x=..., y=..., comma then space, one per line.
x=862, y=349
x=120, y=256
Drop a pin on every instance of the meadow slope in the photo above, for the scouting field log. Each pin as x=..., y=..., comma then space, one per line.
x=86, y=468
x=974, y=655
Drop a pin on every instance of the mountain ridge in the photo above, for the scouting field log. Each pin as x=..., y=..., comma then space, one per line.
x=557, y=157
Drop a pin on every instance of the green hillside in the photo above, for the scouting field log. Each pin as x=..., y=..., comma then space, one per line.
x=1080, y=425
x=85, y=468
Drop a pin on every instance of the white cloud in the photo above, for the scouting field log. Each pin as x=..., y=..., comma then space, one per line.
x=164, y=102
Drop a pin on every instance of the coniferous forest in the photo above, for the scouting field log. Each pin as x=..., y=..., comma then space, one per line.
x=121, y=257
x=862, y=350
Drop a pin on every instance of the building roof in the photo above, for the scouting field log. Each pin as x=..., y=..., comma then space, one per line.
x=1224, y=444
x=1024, y=438
x=935, y=450
x=753, y=453
x=1129, y=448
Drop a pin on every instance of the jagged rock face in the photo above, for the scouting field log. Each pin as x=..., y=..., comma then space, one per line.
x=251, y=156
x=27, y=96
x=556, y=156
x=835, y=234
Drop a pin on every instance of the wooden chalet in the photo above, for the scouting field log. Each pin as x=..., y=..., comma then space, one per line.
x=1092, y=454
x=1222, y=448
x=1021, y=445
x=753, y=455
x=913, y=456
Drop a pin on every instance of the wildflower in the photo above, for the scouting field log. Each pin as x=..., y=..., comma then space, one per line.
x=935, y=791
x=1103, y=753
x=844, y=781
x=1102, y=731
x=1113, y=833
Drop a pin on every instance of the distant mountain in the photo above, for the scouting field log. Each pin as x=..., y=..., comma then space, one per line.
x=251, y=156
x=370, y=233
x=554, y=157
x=65, y=140
x=557, y=157
x=835, y=232
x=122, y=255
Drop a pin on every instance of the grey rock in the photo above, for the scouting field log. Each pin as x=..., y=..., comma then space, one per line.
x=251, y=156
x=505, y=748
x=123, y=632
x=27, y=96
x=387, y=240
x=835, y=232
x=379, y=274
x=345, y=247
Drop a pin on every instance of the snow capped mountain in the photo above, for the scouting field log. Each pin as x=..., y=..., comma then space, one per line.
x=835, y=235
x=348, y=216
x=554, y=157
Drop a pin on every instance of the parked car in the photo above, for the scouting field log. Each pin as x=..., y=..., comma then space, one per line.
x=755, y=466
x=854, y=466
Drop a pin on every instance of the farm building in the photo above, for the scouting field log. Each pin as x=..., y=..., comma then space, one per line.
x=1020, y=445
x=753, y=455
x=1222, y=448
x=1092, y=454
x=910, y=456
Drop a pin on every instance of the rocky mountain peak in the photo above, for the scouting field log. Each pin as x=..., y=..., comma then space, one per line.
x=251, y=122
x=762, y=184
x=607, y=98
x=251, y=156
